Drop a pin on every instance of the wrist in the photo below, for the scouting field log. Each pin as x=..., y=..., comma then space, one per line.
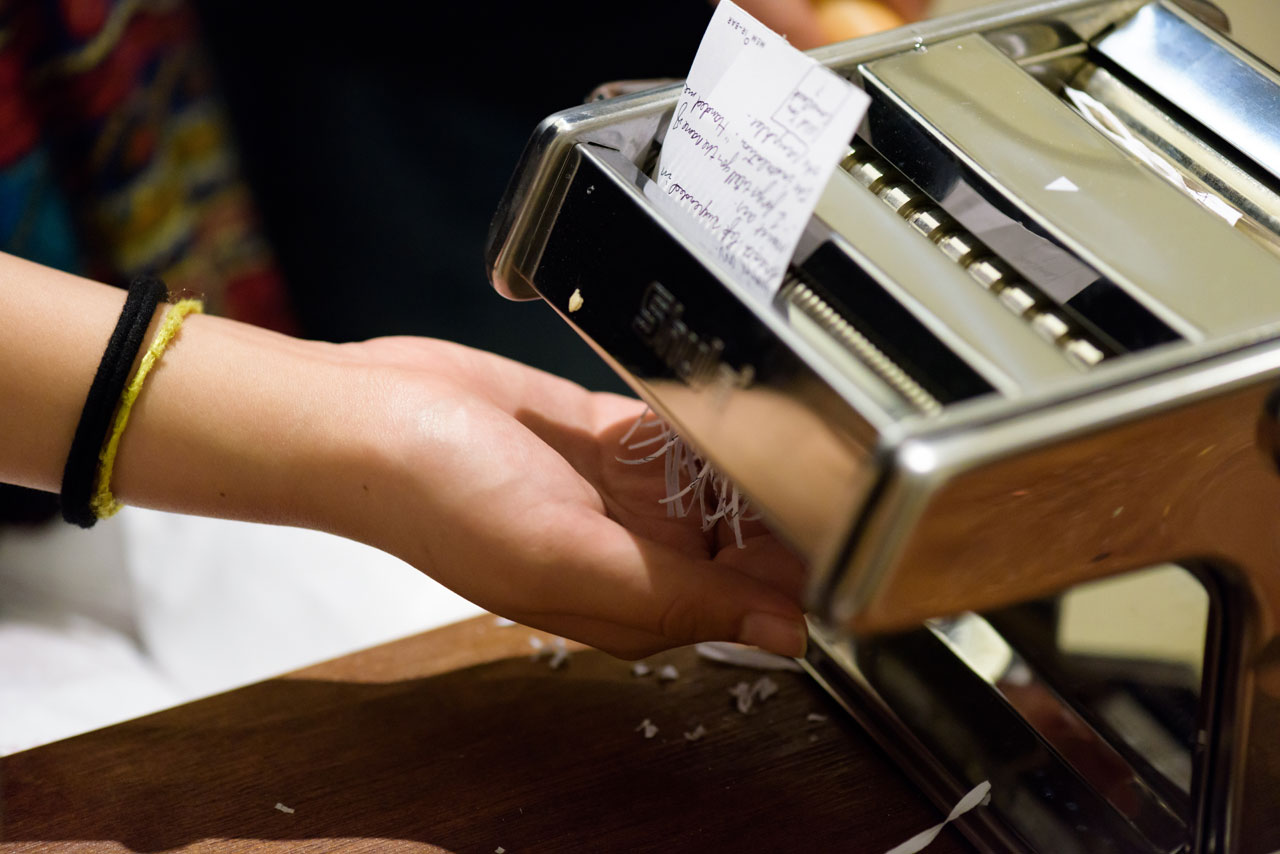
x=238, y=422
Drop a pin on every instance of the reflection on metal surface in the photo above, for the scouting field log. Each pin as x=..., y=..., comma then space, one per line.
x=618, y=88
x=1067, y=709
x=1011, y=361
x=964, y=109
x=967, y=251
x=1190, y=154
x=949, y=726
x=1044, y=715
x=1223, y=87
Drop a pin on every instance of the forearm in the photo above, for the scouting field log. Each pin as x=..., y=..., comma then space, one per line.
x=241, y=423
x=55, y=328
x=234, y=421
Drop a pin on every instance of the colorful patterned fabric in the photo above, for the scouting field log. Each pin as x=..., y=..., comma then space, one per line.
x=115, y=160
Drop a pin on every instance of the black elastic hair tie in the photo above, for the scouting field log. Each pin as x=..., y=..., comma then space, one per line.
x=145, y=293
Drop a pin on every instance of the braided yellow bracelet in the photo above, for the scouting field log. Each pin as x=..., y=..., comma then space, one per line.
x=104, y=504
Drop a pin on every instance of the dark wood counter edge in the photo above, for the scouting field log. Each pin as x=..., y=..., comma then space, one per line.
x=454, y=740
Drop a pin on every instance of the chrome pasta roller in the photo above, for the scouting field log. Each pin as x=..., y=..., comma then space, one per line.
x=1015, y=403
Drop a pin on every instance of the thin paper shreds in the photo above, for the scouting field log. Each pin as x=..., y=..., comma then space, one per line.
x=746, y=694
x=668, y=673
x=691, y=481
x=816, y=718
x=698, y=732
x=640, y=669
x=742, y=693
x=284, y=808
x=500, y=849
x=538, y=648
x=646, y=726
x=764, y=688
x=646, y=416
x=503, y=622
x=560, y=656
x=745, y=656
x=979, y=794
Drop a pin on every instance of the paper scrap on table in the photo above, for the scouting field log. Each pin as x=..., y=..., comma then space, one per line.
x=284, y=809
x=746, y=695
x=697, y=733
x=979, y=794
x=561, y=654
x=755, y=136
x=745, y=656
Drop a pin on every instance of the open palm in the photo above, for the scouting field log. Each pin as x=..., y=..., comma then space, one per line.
x=504, y=483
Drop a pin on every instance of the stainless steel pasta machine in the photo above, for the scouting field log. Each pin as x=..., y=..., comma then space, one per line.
x=1015, y=403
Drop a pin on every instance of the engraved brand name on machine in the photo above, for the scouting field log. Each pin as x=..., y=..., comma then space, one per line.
x=691, y=357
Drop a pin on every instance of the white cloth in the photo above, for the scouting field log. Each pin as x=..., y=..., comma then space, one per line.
x=148, y=609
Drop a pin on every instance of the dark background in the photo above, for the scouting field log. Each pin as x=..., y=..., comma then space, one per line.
x=379, y=144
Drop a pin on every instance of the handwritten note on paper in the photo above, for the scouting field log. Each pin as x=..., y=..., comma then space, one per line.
x=754, y=137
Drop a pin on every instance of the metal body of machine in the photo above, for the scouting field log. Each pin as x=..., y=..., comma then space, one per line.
x=1029, y=341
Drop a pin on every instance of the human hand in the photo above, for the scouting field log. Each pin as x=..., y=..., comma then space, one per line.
x=503, y=483
x=499, y=480
x=810, y=23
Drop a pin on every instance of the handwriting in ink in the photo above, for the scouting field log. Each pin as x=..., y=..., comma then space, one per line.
x=756, y=159
x=810, y=108
x=748, y=38
x=690, y=129
x=706, y=112
x=750, y=144
x=700, y=210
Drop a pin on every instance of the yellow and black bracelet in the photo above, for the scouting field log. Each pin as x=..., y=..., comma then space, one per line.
x=103, y=503
x=86, y=494
x=145, y=293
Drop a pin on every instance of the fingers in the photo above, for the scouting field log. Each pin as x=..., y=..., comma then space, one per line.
x=619, y=641
x=763, y=556
x=848, y=19
x=794, y=19
x=912, y=10
x=768, y=560
x=619, y=578
x=810, y=23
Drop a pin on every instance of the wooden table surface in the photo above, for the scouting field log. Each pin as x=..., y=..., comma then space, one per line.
x=454, y=740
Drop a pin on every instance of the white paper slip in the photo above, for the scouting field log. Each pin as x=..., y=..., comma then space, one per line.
x=752, y=142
